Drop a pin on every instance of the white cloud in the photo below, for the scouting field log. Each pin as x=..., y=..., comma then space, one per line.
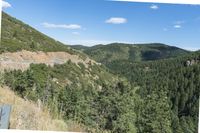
x=116, y=20
x=62, y=26
x=5, y=4
x=177, y=26
x=154, y=7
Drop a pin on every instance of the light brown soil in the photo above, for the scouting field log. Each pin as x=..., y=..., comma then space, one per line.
x=22, y=59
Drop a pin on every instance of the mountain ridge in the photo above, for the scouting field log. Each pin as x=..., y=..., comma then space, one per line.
x=71, y=90
x=138, y=88
x=131, y=52
x=21, y=36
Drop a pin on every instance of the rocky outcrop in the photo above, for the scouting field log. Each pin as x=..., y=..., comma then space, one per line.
x=192, y=62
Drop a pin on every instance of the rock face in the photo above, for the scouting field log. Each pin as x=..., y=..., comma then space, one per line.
x=22, y=59
x=192, y=62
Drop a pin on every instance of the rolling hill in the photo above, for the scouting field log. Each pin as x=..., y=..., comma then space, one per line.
x=142, y=88
x=168, y=80
x=68, y=83
x=21, y=36
x=131, y=52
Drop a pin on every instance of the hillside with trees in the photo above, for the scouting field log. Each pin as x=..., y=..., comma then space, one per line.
x=169, y=87
x=131, y=52
x=175, y=82
x=21, y=36
x=71, y=91
x=151, y=88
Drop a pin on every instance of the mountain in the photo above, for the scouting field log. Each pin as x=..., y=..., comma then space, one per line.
x=171, y=85
x=67, y=82
x=79, y=47
x=131, y=52
x=151, y=88
x=168, y=83
x=21, y=36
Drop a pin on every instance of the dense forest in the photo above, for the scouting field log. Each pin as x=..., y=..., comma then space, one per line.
x=170, y=92
x=159, y=96
x=144, y=88
x=100, y=106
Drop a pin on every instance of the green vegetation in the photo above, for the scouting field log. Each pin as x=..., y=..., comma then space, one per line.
x=169, y=90
x=168, y=78
x=20, y=36
x=72, y=92
x=131, y=52
x=152, y=88
x=166, y=99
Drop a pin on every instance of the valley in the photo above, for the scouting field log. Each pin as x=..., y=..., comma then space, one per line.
x=114, y=88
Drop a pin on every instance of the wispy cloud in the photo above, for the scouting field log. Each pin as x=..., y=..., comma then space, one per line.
x=116, y=20
x=62, y=26
x=75, y=33
x=154, y=7
x=5, y=4
x=178, y=24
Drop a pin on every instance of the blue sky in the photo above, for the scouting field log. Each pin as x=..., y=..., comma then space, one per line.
x=90, y=22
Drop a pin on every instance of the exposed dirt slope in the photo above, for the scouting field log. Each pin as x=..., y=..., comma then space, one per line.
x=22, y=59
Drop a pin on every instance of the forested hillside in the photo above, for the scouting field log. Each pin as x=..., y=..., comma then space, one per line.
x=152, y=88
x=131, y=52
x=80, y=91
x=21, y=36
x=90, y=96
x=169, y=92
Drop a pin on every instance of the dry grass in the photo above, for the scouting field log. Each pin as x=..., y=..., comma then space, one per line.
x=27, y=115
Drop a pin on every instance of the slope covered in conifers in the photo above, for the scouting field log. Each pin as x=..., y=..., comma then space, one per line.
x=131, y=52
x=157, y=96
x=168, y=78
x=169, y=87
x=84, y=92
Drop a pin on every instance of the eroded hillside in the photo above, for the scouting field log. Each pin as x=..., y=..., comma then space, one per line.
x=22, y=59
